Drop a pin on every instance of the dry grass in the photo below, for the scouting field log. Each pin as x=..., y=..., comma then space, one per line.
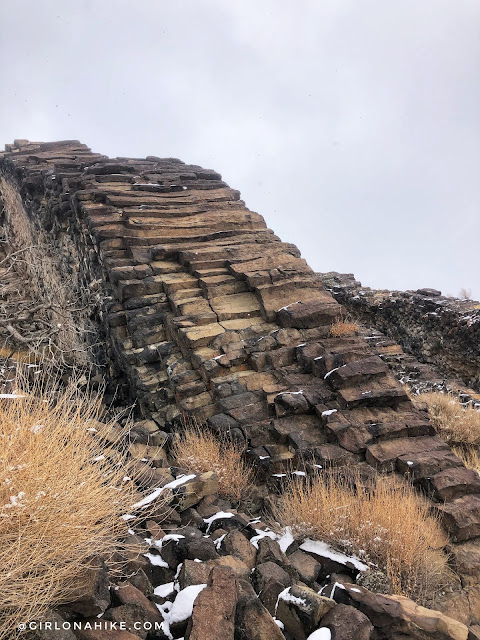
x=465, y=294
x=198, y=450
x=389, y=526
x=456, y=424
x=470, y=457
x=342, y=328
x=60, y=501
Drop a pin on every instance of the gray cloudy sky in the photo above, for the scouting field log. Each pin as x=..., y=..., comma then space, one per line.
x=352, y=126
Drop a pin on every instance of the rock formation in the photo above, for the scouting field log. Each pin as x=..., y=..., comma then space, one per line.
x=203, y=310
x=440, y=331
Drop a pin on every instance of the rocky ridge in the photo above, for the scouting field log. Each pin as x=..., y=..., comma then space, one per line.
x=208, y=313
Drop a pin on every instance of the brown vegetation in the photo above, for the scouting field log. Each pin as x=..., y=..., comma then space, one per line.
x=342, y=328
x=41, y=310
x=198, y=450
x=389, y=526
x=60, y=500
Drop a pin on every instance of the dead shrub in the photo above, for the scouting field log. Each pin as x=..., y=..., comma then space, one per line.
x=456, y=424
x=198, y=450
x=389, y=526
x=342, y=328
x=60, y=499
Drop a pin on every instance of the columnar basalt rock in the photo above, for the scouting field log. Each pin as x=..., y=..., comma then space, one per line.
x=440, y=331
x=209, y=313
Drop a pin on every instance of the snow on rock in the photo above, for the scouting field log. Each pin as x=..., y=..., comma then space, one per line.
x=217, y=516
x=286, y=596
x=329, y=412
x=325, y=551
x=261, y=534
x=182, y=607
x=285, y=539
x=164, y=590
x=154, y=495
x=320, y=634
x=218, y=541
x=156, y=560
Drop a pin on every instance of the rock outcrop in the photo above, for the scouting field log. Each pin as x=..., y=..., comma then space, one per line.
x=440, y=331
x=203, y=310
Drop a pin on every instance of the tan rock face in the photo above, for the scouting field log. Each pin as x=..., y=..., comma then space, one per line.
x=214, y=609
x=399, y=614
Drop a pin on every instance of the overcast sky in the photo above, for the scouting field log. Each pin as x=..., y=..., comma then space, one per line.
x=352, y=126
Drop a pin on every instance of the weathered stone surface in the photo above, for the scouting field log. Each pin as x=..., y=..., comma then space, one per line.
x=190, y=493
x=306, y=315
x=306, y=566
x=347, y=623
x=269, y=571
x=453, y=483
x=397, y=614
x=126, y=594
x=214, y=609
x=461, y=518
x=254, y=622
x=236, y=544
x=465, y=559
x=54, y=619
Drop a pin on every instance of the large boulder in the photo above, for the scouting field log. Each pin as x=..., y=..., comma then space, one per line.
x=214, y=609
x=347, y=623
x=393, y=616
x=252, y=620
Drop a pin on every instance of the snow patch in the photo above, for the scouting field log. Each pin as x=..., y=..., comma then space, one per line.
x=320, y=634
x=164, y=590
x=181, y=609
x=329, y=412
x=154, y=495
x=261, y=534
x=286, y=539
x=324, y=550
x=218, y=516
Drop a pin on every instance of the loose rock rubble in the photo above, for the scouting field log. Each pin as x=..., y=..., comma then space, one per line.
x=205, y=312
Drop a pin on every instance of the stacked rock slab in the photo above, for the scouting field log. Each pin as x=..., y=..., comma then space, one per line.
x=211, y=315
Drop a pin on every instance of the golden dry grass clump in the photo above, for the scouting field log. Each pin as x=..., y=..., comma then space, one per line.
x=60, y=500
x=198, y=450
x=458, y=425
x=389, y=526
x=342, y=328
